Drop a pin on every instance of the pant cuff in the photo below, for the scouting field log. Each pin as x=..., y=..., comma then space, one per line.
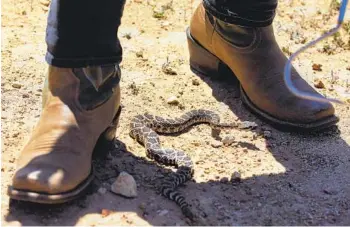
x=237, y=19
x=81, y=62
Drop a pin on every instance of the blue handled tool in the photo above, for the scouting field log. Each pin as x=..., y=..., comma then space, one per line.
x=288, y=66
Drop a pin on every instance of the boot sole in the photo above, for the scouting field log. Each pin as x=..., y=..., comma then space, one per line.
x=38, y=197
x=205, y=63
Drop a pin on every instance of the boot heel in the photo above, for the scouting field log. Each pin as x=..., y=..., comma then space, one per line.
x=204, y=62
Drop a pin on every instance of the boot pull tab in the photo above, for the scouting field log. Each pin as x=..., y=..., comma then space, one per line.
x=288, y=66
x=97, y=75
x=94, y=75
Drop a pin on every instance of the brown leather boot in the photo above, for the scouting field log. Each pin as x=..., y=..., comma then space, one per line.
x=81, y=108
x=252, y=55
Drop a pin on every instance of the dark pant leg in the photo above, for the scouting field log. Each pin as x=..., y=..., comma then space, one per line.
x=83, y=33
x=252, y=13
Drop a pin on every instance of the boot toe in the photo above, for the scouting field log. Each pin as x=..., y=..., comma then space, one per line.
x=41, y=178
x=325, y=110
x=317, y=111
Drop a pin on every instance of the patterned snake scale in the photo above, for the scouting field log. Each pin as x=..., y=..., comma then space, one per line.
x=143, y=128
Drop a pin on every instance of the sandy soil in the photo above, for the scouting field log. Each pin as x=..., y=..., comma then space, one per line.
x=286, y=178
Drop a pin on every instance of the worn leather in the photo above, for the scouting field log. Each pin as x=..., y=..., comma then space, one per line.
x=57, y=156
x=257, y=61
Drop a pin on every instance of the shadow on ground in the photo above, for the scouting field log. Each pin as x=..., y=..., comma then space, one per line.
x=314, y=189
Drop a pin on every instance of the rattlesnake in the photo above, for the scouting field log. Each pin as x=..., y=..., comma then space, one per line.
x=143, y=128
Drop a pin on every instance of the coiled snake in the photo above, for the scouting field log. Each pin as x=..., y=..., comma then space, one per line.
x=143, y=128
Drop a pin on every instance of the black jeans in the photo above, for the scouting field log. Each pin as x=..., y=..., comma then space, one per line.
x=83, y=33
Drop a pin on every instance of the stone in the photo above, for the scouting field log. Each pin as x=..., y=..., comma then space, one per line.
x=139, y=54
x=102, y=191
x=228, y=140
x=319, y=84
x=216, y=144
x=267, y=134
x=195, y=82
x=236, y=176
x=173, y=100
x=317, y=67
x=16, y=85
x=163, y=212
x=247, y=125
x=125, y=185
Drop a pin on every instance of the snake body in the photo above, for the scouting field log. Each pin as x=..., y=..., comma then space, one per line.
x=144, y=129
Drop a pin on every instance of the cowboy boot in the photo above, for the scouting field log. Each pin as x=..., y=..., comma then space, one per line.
x=254, y=57
x=81, y=108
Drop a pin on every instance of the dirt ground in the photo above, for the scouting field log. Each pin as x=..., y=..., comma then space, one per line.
x=286, y=178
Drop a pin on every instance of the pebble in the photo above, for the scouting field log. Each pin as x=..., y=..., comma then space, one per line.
x=163, y=212
x=102, y=191
x=319, y=84
x=158, y=13
x=129, y=32
x=125, y=185
x=139, y=54
x=165, y=24
x=4, y=115
x=228, y=140
x=105, y=212
x=195, y=82
x=224, y=180
x=16, y=85
x=216, y=144
x=236, y=176
x=267, y=134
x=173, y=100
x=167, y=68
x=247, y=124
x=142, y=206
x=317, y=67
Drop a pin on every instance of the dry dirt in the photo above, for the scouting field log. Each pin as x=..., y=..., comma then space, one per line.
x=286, y=178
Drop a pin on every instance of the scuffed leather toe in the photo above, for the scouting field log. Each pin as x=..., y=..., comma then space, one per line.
x=41, y=178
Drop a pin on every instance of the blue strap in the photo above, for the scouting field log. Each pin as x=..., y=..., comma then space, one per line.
x=288, y=66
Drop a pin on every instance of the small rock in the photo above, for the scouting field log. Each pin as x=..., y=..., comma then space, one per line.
x=228, y=140
x=16, y=85
x=168, y=68
x=105, y=212
x=267, y=134
x=163, y=212
x=125, y=185
x=165, y=24
x=195, y=82
x=236, y=176
x=319, y=84
x=129, y=33
x=173, y=100
x=142, y=206
x=102, y=191
x=317, y=67
x=247, y=124
x=216, y=144
x=159, y=13
x=25, y=95
x=224, y=180
x=139, y=54
x=4, y=115
x=330, y=191
x=45, y=2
